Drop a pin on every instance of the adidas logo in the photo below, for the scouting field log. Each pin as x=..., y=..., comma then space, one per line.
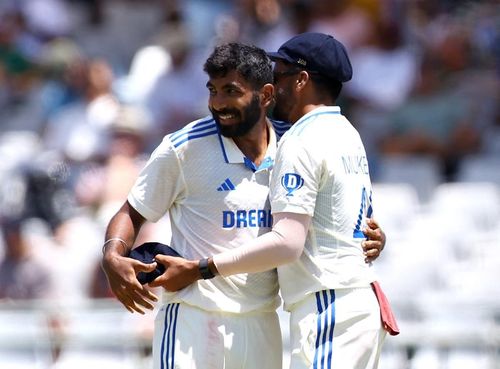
x=227, y=185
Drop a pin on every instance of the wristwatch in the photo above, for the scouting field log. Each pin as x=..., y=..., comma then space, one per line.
x=205, y=271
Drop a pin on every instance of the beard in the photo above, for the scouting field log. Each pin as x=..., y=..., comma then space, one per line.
x=280, y=108
x=248, y=119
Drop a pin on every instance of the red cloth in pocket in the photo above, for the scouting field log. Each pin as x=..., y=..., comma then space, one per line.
x=386, y=314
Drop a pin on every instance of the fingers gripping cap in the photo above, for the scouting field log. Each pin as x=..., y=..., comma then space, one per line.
x=316, y=52
x=146, y=253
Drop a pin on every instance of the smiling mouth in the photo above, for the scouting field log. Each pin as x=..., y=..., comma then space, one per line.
x=227, y=116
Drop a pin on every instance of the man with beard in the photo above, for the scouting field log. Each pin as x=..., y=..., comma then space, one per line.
x=212, y=177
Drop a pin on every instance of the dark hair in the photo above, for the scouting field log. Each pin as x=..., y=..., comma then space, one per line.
x=251, y=62
x=327, y=87
x=330, y=87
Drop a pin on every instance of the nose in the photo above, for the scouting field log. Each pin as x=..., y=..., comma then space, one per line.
x=217, y=102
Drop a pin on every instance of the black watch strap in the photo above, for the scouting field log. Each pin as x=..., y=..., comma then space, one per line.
x=205, y=271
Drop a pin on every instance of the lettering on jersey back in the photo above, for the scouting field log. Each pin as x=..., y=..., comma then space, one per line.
x=254, y=218
x=354, y=164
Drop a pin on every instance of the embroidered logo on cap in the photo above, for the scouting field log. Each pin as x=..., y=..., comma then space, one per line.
x=302, y=62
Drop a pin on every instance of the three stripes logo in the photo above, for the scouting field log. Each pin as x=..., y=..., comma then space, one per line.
x=227, y=185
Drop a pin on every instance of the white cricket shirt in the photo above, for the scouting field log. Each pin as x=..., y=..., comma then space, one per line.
x=321, y=170
x=217, y=199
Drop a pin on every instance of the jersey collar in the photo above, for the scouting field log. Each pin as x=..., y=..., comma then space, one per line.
x=319, y=111
x=233, y=155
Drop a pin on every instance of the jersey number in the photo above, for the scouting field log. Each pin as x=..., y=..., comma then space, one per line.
x=365, y=211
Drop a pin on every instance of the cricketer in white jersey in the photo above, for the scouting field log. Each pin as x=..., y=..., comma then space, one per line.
x=322, y=171
x=217, y=200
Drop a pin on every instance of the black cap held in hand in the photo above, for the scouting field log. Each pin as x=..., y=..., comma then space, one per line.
x=146, y=253
x=316, y=52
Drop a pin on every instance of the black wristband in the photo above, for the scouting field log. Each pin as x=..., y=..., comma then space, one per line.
x=205, y=271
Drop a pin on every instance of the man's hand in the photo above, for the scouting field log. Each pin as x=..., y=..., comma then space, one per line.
x=179, y=273
x=375, y=243
x=122, y=277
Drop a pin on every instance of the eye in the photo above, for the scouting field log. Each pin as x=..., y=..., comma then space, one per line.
x=232, y=91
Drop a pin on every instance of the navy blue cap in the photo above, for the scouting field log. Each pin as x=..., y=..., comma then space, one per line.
x=317, y=52
x=146, y=253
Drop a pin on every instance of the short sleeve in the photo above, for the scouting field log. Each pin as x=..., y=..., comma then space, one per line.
x=296, y=177
x=160, y=183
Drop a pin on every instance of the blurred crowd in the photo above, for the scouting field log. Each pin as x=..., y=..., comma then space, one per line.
x=88, y=88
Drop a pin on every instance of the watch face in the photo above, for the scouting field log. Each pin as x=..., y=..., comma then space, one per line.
x=205, y=271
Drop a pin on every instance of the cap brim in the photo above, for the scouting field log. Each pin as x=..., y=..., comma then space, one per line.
x=275, y=55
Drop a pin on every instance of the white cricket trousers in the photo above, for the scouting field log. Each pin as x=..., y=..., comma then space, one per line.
x=187, y=337
x=336, y=329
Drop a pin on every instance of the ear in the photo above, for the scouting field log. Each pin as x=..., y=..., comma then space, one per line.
x=302, y=80
x=267, y=95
